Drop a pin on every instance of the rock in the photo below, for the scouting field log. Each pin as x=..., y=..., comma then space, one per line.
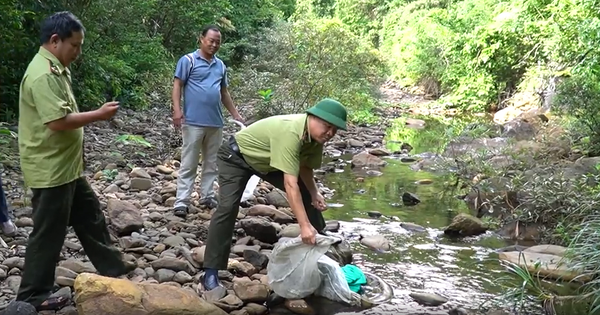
x=428, y=299
x=380, y=152
x=258, y=260
x=291, y=230
x=249, y=291
x=424, y=182
x=260, y=228
x=98, y=295
x=198, y=254
x=174, y=241
x=77, y=266
x=545, y=265
x=164, y=169
x=125, y=218
x=170, y=263
x=458, y=311
x=410, y=199
x=364, y=159
x=547, y=249
x=139, y=183
x=412, y=227
x=271, y=212
x=20, y=308
x=376, y=242
x=229, y=303
x=277, y=198
x=518, y=129
x=465, y=225
x=374, y=214
x=137, y=172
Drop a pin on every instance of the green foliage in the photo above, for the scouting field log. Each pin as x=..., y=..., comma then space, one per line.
x=133, y=140
x=579, y=96
x=303, y=61
x=131, y=47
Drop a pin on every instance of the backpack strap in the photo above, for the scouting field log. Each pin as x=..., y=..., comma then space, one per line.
x=223, y=67
x=191, y=58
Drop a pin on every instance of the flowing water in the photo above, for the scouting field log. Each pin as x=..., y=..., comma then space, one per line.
x=464, y=271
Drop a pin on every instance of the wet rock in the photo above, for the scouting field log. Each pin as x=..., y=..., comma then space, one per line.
x=458, y=311
x=380, y=152
x=332, y=226
x=376, y=242
x=98, y=295
x=374, y=214
x=424, y=182
x=364, y=159
x=341, y=252
x=428, y=299
x=465, y=225
x=410, y=199
x=412, y=227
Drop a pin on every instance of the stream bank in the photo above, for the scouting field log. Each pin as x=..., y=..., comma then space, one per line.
x=423, y=260
x=132, y=165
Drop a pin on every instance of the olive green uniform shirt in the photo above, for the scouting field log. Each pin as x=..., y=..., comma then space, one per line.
x=48, y=158
x=280, y=143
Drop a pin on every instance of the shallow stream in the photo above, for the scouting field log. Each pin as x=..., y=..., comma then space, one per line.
x=464, y=271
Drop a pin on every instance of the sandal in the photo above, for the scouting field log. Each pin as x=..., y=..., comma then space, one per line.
x=181, y=212
x=53, y=303
x=299, y=307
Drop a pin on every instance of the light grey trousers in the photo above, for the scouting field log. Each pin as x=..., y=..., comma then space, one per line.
x=196, y=140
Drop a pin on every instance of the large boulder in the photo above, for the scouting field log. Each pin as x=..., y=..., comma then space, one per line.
x=545, y=265
x=465, y=225
x=98, y=295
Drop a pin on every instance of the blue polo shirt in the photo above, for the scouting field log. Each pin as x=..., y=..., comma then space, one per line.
x=202, y=90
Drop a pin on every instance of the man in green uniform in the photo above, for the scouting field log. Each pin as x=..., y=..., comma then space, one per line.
x=283, y=150
x=51, y=153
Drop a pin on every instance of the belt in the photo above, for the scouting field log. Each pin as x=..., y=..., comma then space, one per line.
x=234, y=146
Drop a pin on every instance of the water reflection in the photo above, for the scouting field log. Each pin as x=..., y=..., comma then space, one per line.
x=462, y=271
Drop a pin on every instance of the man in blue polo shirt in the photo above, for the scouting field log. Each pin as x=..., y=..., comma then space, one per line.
x=202, y=77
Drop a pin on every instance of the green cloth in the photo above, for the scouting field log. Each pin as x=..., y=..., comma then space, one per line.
x=355, y=277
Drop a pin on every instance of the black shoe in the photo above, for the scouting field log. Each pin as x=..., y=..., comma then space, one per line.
x=180, y=212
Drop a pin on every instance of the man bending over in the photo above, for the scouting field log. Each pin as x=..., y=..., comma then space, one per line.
x=283, y=150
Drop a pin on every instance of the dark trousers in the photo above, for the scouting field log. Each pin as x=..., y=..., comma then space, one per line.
x=3, y=204
x=234, y=174
x=54, y=209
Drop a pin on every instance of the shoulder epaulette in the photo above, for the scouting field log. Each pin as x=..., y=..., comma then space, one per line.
x=53, y=68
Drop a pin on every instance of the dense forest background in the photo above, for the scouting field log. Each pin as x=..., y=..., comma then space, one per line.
x=473, y=55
